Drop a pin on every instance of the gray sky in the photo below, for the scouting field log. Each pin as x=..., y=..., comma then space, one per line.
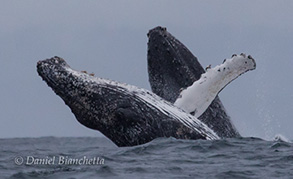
x=109, y=39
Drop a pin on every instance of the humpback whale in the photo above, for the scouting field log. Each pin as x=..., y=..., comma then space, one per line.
x=131, y=116
x=125, y=114
x=172, y=67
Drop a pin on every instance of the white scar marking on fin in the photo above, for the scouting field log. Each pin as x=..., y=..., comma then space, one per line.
x=197, y=97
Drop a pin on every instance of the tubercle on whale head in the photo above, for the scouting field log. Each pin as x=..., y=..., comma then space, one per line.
x=158, y=29
x=51, y=67
x=51, y=70
x=159, y=39
x=55, y=61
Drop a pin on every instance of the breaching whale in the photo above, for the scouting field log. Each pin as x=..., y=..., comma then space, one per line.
x=129, y=115
x=171, y=68
x=125, y=114
x=183, y=104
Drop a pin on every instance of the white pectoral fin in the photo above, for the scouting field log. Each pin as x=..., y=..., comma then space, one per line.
x=196, y=98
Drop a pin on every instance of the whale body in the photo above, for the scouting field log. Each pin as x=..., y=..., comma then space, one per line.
x=126, y=114
x=172, y=67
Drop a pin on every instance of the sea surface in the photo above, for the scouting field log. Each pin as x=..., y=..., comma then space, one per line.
x=89, y=157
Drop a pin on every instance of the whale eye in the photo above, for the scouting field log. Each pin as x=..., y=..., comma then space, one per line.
x=224, y=61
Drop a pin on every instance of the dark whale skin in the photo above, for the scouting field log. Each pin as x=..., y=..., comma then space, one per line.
x=172, y=67
x=127, y=115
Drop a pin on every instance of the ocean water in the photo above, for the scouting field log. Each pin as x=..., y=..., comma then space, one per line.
x=88, y=157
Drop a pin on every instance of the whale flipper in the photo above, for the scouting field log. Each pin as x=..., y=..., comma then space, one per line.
x=197, y=97
x=172, y=67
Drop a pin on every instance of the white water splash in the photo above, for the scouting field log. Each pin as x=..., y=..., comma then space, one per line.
x=268, y=119
x=280, y=137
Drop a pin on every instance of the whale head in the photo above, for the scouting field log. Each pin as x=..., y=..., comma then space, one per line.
x=171, y=66
x=53, y=71
x=74, y=88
